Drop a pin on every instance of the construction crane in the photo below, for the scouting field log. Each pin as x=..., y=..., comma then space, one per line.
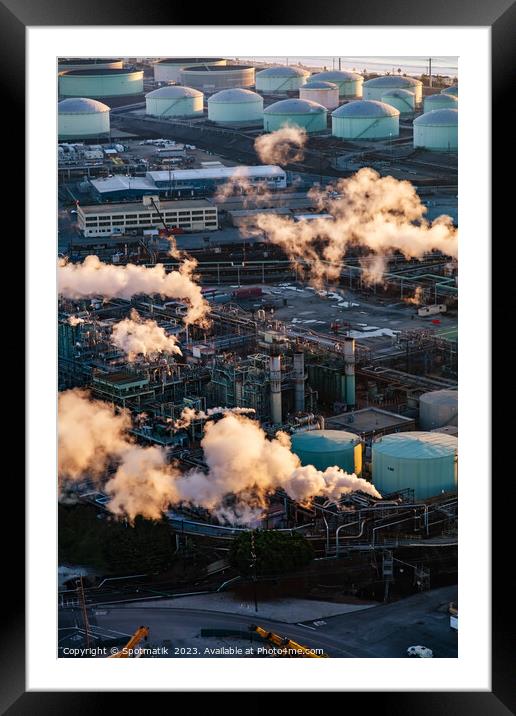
x=141, y=633
x=289, y=647
x=168, y=232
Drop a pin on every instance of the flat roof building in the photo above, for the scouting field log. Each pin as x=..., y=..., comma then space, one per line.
x=111, y=219
x=370, y=422
x=186, y=181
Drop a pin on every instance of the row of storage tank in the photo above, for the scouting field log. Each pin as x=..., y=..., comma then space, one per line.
x=356, y=120
x=424, y=461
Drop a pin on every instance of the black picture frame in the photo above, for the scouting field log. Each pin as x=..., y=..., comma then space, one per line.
x=499, y=15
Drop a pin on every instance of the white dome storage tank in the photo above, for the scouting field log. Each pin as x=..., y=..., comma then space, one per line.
x=81, y=117
x=453, y=91
x=281, y=79
x=440, y=101
x=425, y=462
x=365, y=119
x=437, y=130
x=325, y=93
x=211, y=78
x=174, y=101
x=235, y=105
x=101, y=83
x=295, y=113
x=402, y=100
x=375, y=88
x=169, y=69
x=349, y=83
x=438, y=408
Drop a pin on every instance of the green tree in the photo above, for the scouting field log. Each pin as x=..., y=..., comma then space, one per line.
x=276, y=552
x=146, y=546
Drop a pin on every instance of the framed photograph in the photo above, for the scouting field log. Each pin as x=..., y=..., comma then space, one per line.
x=254, y=321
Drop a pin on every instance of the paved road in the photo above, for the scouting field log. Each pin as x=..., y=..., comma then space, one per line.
x=382, y=631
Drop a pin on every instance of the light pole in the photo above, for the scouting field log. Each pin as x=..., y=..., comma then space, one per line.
x=253, y=567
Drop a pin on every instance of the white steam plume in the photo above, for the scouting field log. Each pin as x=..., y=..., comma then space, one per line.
x=418, y=298
x=239, y=186
x=242, y=462
x=381, y=214
x=282, y=146
x=188, y=415
x=137, y=336
x=92, y=277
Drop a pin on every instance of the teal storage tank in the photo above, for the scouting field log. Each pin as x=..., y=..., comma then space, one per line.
x=425, y=462
x=295, y=113
x=326, y=448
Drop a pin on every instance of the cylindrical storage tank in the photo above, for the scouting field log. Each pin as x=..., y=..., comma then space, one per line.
x=437, y=130
x=327, y=448
x=376, y=88
x=235, y=105
x=174, y=101
x=101, y=83
x=80, y=118
x=275, y=80
x=402, y=100
x=440, y=101
x=295, y=113
x=453, y=91
x=365, y=119
x=325, y=93
x=217, y=77
x=438, y=408
x=421, y=461
x=89, y=63
x=169, y=69
x=349, y=83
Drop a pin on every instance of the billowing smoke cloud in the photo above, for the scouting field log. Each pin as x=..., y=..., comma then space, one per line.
x=418, y=298
x=239, y=186
x=137, y=336
x=282, y=146
x=92, y=277
x=381, y=214
x=188, y=415
x=75, y=320
x=242, y=462
x=262, y=466
x=89, y=434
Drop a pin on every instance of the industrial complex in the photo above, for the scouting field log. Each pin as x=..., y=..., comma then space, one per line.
x=257, y=356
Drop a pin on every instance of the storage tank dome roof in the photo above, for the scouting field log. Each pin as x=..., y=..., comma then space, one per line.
x=365, y=108
x=81, y=105
x=438, y=117
x=392, y=81
x=187, y=60
x=295, y=106
x=442, y=98
x=398, y=92
x=338, y=76
x=417, y=444
x=283, y=71
x=453, y=91
x=324, y=440
x=319, y=84
x=236, y=94
x=174, y=92
x=441, y=397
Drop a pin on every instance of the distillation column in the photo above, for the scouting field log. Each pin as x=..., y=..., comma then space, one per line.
x=275, y=378
x=299, y=382
x=349, y=370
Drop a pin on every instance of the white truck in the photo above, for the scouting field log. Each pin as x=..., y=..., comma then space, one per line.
x=431, y=310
